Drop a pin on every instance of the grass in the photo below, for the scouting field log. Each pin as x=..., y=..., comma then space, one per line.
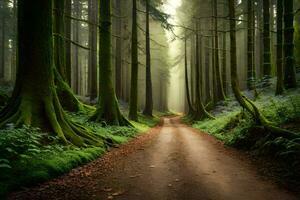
x=28, y=156
x=236, y=128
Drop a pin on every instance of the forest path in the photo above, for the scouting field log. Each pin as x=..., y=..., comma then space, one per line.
x=171, y=162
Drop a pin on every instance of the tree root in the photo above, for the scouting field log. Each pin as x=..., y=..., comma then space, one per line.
x=110, y=118
x=67, y=98
x=46, y=113
x=261, y=120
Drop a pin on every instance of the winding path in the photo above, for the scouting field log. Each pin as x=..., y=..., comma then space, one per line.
x=171, y=162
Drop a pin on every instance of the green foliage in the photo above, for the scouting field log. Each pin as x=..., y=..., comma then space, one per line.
x=28, y=156
x=236, y=128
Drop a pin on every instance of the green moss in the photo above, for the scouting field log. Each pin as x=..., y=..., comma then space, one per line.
x=28, y=157
x=237, y=128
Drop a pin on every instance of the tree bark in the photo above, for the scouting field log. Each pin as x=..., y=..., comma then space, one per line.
x=187, y=89
x=3, y=43
x=68, y=11
x=59, y=34
x=119, y=54
x=267, y=43
x=220, y=96
x=290, y=80
x=250, y=47
x=149, y=99
x=92, y=63
x=134, y=66
x=34, y=101
x=200, y=111
x=280, y=83
x=76, y=69
x=108, y=110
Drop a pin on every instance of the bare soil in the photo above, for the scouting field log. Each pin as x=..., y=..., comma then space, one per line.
x=170, y=162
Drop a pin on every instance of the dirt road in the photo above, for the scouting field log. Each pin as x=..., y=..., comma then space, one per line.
x=172, y=162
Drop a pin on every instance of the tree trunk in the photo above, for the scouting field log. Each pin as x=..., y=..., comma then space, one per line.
x=68, y=11
x=267, y=43
x=76, y=69
x=250, y=46
x=3, y=48
x=187, y=89
x=149, y=99
x=92, y=63
x=200, y=112
x=34, y=101
x=14, y=43
x=134, y=66
x=280, y=83
x=220, y=96
x=207, y=73
x=59, y=37
x=108, y=108
x=289, y=60
x=119, y=55
x=213, y=62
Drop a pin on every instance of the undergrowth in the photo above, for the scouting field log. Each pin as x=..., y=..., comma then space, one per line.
x=28, y=156
x=236, y=128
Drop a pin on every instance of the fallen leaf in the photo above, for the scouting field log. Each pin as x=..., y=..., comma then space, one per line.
x=107, y=189
x=117, y=193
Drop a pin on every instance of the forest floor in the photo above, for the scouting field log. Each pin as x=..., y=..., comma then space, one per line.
x=172, y=161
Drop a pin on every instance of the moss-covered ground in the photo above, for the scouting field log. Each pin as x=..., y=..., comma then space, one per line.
x=28, y=156
x=236, y=128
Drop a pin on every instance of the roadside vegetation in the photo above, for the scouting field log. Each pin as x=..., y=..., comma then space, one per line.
x=236, y=127
x=28, y=156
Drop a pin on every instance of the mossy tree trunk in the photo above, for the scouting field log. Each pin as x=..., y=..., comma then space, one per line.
x=279, y=64
x=267, y=43
x=108, y=108
x=149, y=98
x=65, y=94
x=243, y=100
x=133, y=104
x=34, y=101
x=289, y=60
